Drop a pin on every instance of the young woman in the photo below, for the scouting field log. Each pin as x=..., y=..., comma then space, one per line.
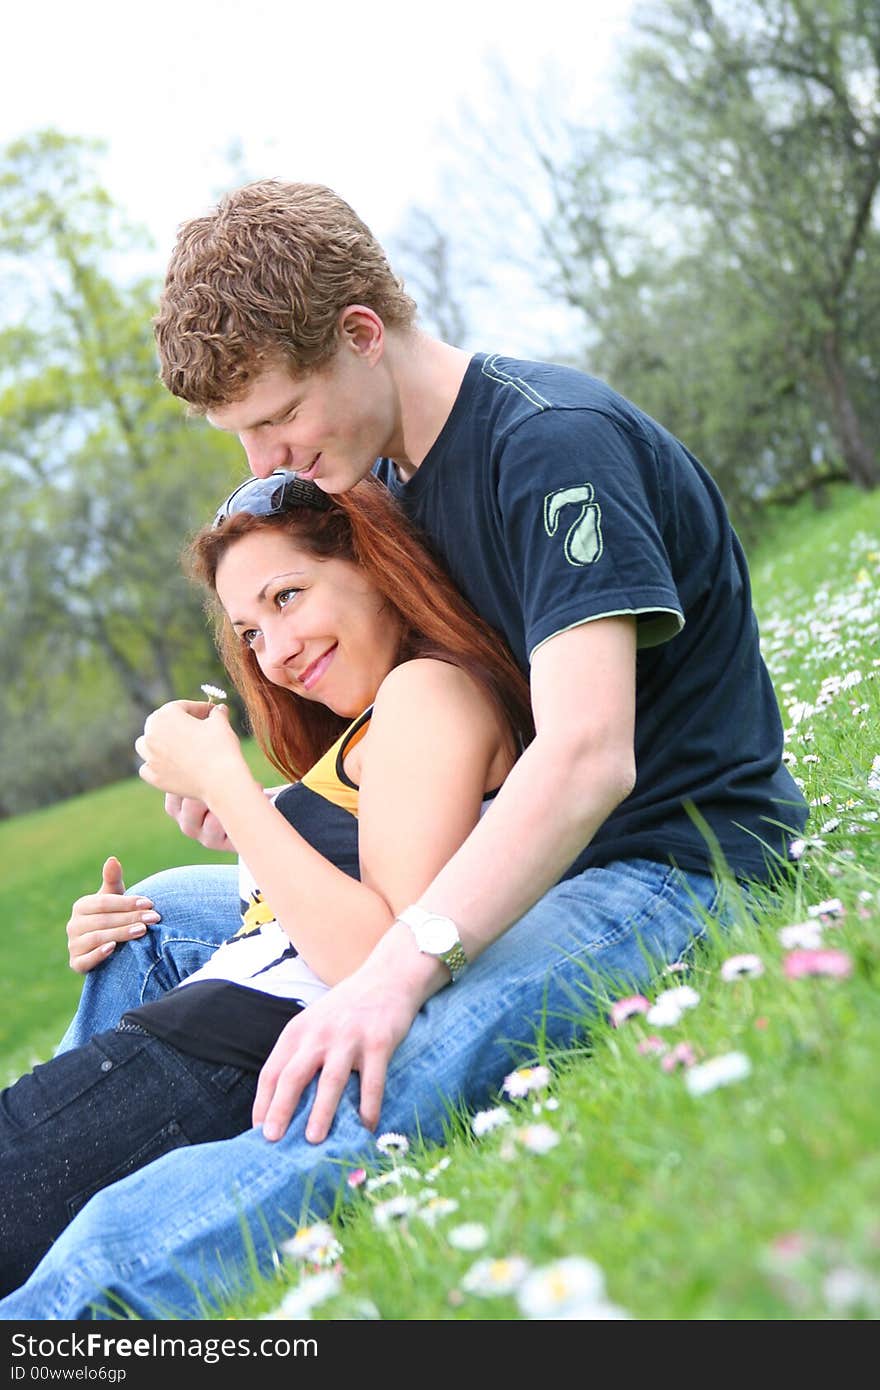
x=395, y=712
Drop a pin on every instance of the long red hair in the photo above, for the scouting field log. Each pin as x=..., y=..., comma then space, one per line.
x=365, y=526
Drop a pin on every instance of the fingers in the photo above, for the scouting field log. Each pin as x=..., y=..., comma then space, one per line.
x=88, y=949
x=285, y=1075
x=335, y=1077
x=101, y=920
x=199, y=709
x=83, y=964
x=374, y=1072
x=100, y=913
x=111, y=876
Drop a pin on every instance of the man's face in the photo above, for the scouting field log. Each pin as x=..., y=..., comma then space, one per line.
x=329, y=426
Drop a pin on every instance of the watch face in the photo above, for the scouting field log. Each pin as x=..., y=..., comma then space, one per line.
x=437, y=935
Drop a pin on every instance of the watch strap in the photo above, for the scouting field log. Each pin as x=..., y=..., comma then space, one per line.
x=454, y=959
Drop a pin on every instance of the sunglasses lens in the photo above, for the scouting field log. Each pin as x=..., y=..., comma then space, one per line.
x=265, y=496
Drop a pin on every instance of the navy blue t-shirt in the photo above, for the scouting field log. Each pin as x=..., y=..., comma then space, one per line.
x=554, y=501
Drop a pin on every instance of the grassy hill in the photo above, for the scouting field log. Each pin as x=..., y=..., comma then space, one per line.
x=756, y=1197
x=52, y=857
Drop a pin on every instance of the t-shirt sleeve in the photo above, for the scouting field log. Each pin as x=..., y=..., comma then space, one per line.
x=581, y=513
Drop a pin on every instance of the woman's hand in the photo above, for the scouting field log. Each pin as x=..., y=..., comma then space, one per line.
x=186, y=746
x=198, y=823
x=99, y=920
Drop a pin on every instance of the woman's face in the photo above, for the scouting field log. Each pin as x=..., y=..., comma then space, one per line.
x=316, y=627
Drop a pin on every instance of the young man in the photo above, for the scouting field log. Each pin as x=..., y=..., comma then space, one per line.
x=600, y=547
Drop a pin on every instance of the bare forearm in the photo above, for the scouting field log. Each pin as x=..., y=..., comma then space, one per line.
x=543, y=817
x=333, y=920
x=546, y=813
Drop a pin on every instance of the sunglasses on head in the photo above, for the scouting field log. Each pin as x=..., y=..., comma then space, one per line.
x=280, y=492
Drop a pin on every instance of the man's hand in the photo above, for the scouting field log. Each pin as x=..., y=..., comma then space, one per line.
x=198, y=823
x=100, y=920
x=356, y=1027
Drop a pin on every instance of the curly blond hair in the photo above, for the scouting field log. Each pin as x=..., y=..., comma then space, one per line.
x=261, y=280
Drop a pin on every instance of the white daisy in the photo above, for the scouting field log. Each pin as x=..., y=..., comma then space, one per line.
x=392, y=1143
x=486, y=1120
x=737, y=967
x=489, y=1278
x=470, y=1235
x=561, y=1289
x=520, y=1083
x=311, y=1291
x=831, y=907
x=670, y=1005
x=395, y=1209
x=395, y=1177
x=807, y=935
x=718, y=1071
x=432, y=1210
x=538, y=1139
x=439, y=1167
x=214, y=693
x=315, y=1244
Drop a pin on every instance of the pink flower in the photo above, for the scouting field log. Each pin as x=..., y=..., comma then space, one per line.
x=651, y=1044
x=682, y=1055
x=792, y=1245
x=623, y=1009
x=827, y=962
x=356, y=1177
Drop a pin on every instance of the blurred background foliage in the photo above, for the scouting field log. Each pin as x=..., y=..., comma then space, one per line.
x=712, y=250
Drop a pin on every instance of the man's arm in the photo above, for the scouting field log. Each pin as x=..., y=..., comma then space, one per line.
x=579, y=767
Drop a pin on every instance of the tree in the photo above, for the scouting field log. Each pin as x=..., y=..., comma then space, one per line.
x=762, y=118
x=101, y=473
x=716, y=237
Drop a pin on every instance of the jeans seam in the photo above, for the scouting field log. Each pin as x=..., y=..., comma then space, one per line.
x=161, y=958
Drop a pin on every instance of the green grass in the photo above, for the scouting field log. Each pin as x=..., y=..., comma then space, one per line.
x=52, y=857
x=756, y=1200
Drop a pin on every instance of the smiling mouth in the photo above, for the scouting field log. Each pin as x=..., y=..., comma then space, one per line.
x=312, y=674
x=307, y=474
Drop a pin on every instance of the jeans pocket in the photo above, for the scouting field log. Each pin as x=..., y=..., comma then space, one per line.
x=170, y=1136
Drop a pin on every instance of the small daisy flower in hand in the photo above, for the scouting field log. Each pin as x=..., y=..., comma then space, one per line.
x=214, y=693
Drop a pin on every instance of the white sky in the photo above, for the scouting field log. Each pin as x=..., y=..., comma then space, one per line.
x=361, y=96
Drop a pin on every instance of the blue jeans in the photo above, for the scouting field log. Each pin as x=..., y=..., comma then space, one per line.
x=93, y=1115
x=184, y=1228
x=199, y=909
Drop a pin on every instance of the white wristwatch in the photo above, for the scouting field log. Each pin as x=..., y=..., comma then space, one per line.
x=436, y=936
